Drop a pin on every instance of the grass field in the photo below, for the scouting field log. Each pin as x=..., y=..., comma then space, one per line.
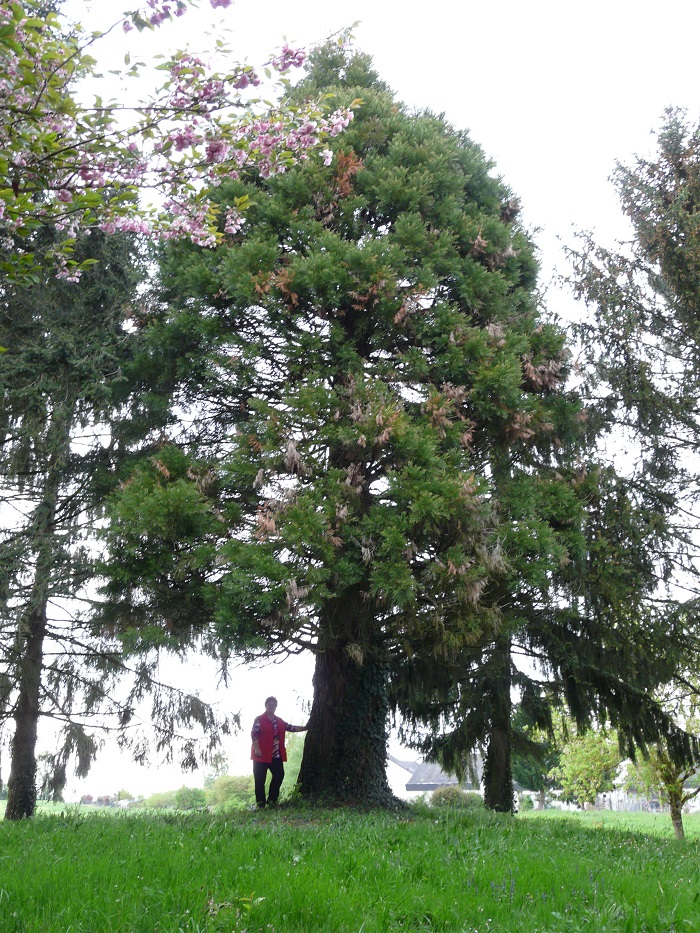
x=334, y=870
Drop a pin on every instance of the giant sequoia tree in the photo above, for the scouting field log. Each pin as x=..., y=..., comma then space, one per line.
x=384, y=462
x=364, y=360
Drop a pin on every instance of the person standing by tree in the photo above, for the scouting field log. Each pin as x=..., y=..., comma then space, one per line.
x=268, y=751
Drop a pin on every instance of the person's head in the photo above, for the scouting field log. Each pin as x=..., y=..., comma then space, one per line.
x=271, y=704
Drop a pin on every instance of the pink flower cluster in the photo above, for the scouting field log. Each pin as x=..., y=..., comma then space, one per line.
x=234, y=221
x=194, y=90
x=193, y=133
x=288, y=58
x=246, y=77
x=338, y=121
x=217, y=150
x=66, y=271
x=188, y=220
x=161, y=10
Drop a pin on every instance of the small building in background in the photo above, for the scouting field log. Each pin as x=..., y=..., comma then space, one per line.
x=422, y=777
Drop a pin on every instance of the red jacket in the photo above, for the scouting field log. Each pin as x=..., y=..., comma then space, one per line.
x=266, y=738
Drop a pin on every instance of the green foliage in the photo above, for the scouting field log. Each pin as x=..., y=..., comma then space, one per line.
x=190, y=798
x=587, y=767
x=161, y=800
x=231, y=791
x=390, y=467
x=60, y=381
x=536, y=751
x=294, y=742
x=67, y=167
x=66, y=421
x=457, y=798
x=218, y=767
x=641, y=342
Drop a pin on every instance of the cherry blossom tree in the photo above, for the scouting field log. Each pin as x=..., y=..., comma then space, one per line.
x=73, y=165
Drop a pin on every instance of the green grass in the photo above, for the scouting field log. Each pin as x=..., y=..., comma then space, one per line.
x=303, y=870
x=658, y=824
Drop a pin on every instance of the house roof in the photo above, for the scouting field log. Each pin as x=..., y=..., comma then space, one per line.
x=429, y=776
x=409, y=766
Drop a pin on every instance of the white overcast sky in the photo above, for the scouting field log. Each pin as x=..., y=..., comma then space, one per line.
x=555, y=92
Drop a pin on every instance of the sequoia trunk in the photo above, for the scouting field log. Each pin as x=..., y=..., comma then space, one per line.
x=345, y=749
x=498, y=776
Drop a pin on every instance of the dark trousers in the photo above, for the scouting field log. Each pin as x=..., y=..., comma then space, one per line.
x=260, y=774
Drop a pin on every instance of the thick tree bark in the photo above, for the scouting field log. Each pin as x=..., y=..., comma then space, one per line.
x=345, y=749
x=498, y=777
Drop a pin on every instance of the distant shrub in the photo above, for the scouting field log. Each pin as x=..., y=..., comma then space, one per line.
x=162, y=800
x=190, y=798
x=525, y=802
x=454, y=796
x=232, y=791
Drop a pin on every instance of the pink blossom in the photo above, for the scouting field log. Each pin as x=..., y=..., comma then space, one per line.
x=246, y=79
x=66, y=272
x=234, y=221
x=186, y=138
x=216, y=151
x=289, y=58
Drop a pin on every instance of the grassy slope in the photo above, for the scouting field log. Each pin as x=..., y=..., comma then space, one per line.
x=291, y=870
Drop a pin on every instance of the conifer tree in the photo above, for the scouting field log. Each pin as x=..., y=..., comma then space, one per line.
x=374, y=353
x=640, y=342
x=63, y=381
x=641, y=338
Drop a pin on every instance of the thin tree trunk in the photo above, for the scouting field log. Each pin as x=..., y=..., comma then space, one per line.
x=676, y=805
x=344, y=757
x=498, y=777
x=21, y=787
